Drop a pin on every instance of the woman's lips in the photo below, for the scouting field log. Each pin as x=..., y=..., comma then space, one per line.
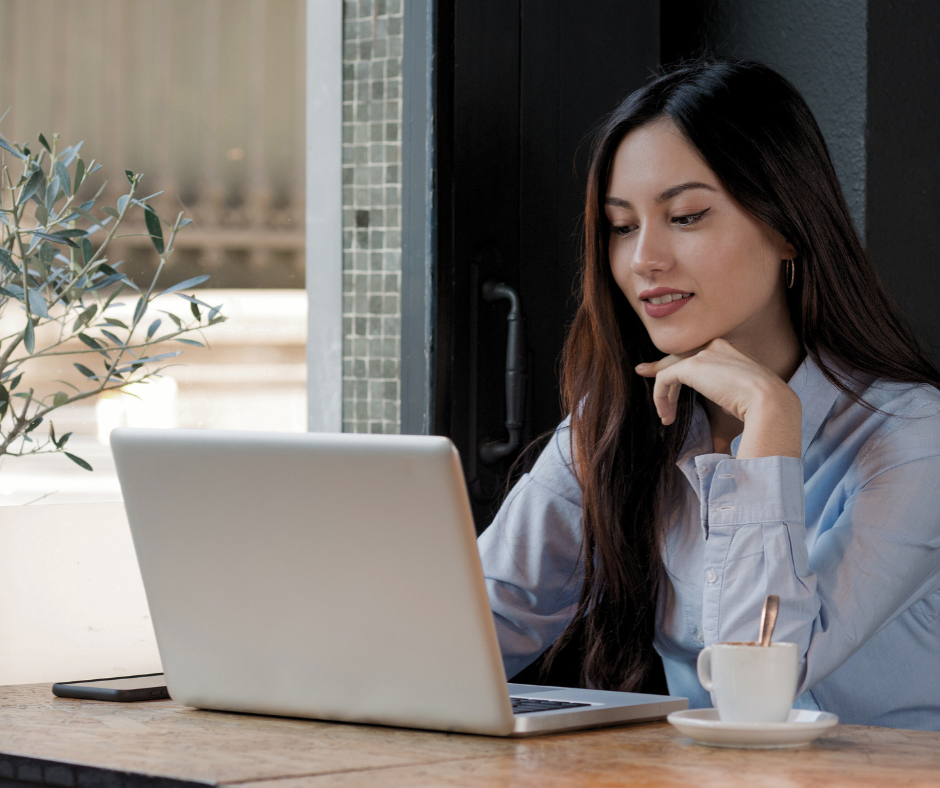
x=664, y=310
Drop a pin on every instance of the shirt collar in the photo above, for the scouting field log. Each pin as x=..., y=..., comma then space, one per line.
x=817, y=396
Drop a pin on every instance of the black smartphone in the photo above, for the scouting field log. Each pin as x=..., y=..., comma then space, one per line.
x=124, y=689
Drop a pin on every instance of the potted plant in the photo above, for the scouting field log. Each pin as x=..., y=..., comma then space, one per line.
x=71, y=598
x=59, y=292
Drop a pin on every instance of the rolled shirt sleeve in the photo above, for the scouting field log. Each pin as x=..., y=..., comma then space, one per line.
x=873, y=555
x=531, y=556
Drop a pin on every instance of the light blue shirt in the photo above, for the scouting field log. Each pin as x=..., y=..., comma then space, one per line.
x=848, y=536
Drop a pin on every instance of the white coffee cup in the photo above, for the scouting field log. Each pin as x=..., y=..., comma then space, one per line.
x=748, y=682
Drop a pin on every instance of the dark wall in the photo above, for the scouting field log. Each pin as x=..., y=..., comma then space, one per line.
x=818, y=46
x=904, y=155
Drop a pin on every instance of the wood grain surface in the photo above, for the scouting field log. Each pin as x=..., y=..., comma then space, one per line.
x=44, y=739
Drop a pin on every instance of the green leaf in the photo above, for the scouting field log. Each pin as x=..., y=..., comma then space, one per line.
x=111, y=212
x=37, y=179
x=85, y=371
x=33, y=424
x=113, y=321
x=194, y=282
x=52, y=193
x=191, y=342
x=70, y=153
x=58, y=238
x=108, y=280
x=153, y=227
x=78, y=461
x=140, y=309
x=66, y=383
x=130, y=177
x=88, y=217
x=79, y=175
x=112, y=337
x=214, y=311
x=29, y=339
x=175, y=319
x=63, y=440
x=42, y=215
x=122, y=202
x=85, y=317
x=37, y=266
x=149, y=359
x=6, y=260
x=45, y=144
x=195, y=310
x=194, y=300
x=37, y=304
x=46, y=252
x=52, y=433
x=93, y=343
x=16, y=381
x=76, y=233
x=10, y=149
x=4, y=400
x=153, y=328
x=62, y=171
x=59, y=399
x=87, y=251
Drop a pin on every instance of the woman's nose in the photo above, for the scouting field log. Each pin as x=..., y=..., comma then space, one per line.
x=651, y=253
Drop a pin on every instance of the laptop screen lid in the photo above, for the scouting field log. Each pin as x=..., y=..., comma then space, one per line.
x=330, y=576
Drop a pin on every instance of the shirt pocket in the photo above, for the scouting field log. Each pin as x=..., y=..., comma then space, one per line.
x=927, y=611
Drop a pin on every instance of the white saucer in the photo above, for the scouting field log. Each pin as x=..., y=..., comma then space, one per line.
x=705, y=727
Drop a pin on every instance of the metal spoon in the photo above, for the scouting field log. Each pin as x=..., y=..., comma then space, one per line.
x=768, y=618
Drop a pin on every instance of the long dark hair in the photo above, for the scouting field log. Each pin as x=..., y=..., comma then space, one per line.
x=759, y=137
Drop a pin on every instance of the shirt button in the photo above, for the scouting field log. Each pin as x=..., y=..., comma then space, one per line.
x=711, y=575
x=699, y=637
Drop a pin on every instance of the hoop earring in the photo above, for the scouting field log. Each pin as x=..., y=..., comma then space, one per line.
x=791, y=274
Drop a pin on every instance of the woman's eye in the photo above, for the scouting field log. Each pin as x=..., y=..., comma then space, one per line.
x=689, y=219
x=623, y=230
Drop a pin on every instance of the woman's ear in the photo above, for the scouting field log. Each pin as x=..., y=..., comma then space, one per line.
x=788, y=250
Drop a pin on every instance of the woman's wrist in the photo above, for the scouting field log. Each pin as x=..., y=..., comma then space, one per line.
x=773, y=425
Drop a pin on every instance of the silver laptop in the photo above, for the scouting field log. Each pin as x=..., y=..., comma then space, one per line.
x=330, y=576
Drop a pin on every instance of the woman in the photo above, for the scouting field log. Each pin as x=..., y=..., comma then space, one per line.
x=750, y=415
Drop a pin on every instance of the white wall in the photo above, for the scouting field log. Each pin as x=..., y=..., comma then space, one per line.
x=324, y=215
x=72, y=604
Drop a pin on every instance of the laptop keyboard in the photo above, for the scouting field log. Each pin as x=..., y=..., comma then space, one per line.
x=529, y=705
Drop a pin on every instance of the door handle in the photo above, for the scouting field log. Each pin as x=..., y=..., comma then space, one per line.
x=493, y=451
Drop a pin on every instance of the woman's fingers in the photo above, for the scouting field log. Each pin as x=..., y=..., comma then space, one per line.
x=651, y=369
x=666, y=392
x=667, y=387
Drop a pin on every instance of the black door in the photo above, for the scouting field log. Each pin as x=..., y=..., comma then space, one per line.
x=520, y=84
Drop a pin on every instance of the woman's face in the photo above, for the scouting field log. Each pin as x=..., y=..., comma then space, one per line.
x=678, y=238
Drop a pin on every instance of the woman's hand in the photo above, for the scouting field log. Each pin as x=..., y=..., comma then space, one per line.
x=739, y=385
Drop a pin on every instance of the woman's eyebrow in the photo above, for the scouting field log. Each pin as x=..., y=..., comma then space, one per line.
x=666, y=195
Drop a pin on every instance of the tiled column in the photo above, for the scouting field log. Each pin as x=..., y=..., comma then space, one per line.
x=372, y=58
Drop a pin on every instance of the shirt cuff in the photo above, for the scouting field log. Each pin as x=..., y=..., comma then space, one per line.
x=756, y=490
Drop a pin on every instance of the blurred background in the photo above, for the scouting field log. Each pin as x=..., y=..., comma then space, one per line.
x=206, y=99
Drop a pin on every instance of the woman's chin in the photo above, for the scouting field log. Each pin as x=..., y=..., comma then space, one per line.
x=674, y=346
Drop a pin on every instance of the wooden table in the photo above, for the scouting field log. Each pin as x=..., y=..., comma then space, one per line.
x=159, y=744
